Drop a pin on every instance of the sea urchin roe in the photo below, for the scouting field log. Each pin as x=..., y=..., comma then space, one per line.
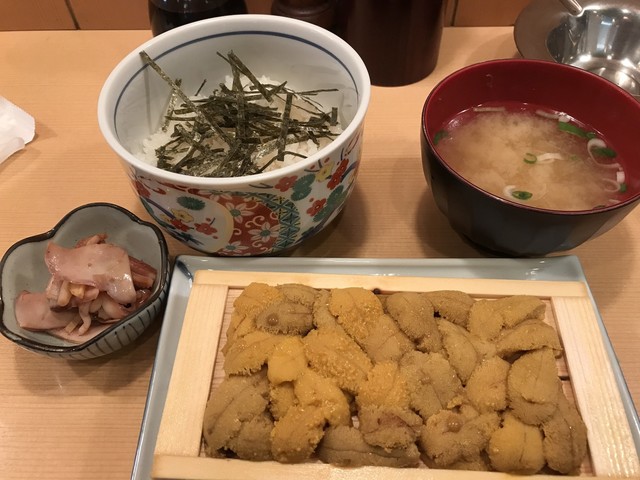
x=489, y=400
x=246, y=126
x=532, y=156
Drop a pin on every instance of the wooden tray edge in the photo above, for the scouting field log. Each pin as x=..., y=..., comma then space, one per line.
x=472, y=286
x=210, y=284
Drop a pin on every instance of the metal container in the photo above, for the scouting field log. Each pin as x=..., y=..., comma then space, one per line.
x=604, y=38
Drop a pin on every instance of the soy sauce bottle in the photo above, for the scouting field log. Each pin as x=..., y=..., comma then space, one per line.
x=167, y=14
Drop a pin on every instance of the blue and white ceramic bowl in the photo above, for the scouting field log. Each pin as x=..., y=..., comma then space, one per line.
x=252, y=215
x=23, y=268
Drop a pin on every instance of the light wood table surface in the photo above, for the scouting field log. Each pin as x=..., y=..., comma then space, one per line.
x=80, y=420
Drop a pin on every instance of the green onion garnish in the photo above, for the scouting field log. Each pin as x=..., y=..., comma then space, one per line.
x=521, y=194
x=439, y=135
x=623, y=188
x=530, y=158
x=575, y=130
x=604, y=152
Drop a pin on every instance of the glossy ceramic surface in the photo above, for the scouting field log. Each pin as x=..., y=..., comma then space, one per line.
x=565, y=268
x=253, y=215
x=23, y=268
x=603, y=38
x=509, y=228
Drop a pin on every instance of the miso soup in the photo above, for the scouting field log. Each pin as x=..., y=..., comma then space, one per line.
x=532, y=155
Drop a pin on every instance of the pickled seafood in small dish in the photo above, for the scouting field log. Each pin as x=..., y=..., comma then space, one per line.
x=91, y=286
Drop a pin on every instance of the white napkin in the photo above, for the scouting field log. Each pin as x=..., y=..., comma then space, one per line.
x=17, y=128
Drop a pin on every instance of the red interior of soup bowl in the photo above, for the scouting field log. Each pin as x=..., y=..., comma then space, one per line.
x=585, y=96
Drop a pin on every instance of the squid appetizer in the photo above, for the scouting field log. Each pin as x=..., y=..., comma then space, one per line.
x=92, y=286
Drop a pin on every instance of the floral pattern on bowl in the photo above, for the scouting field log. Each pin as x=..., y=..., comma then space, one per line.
x=267, y=218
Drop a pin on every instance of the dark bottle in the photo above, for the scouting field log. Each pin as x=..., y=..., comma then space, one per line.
x=398, y=40
x=167, y=14
x=318, y=12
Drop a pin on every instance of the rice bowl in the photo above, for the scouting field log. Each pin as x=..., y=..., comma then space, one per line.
x=256, y=214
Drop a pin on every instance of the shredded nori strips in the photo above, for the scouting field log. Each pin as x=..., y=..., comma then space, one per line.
x=230, y=132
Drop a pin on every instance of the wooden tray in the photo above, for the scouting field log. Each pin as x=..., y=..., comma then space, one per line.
x=198, y=365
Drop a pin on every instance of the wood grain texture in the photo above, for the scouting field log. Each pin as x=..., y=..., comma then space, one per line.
x=89, y=14
x=474, y=13
x=585, y=368
x=35, y=15
x=611, y=443
x=133, y=15
x=259, y=6
x=129, y=14
x=181, y=427
x=56, y=76
x=111, y=14
x=473, y=286
x=201, y=469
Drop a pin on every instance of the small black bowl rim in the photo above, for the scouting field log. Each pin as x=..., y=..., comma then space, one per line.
x=549, y=64
x=161, y=282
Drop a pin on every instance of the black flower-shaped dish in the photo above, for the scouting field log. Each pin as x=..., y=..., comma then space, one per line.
x=23, y=268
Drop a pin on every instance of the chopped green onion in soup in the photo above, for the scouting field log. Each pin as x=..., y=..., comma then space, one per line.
x=575, y=130
x=439, y=135
x=510, y=190
x=533, y=155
